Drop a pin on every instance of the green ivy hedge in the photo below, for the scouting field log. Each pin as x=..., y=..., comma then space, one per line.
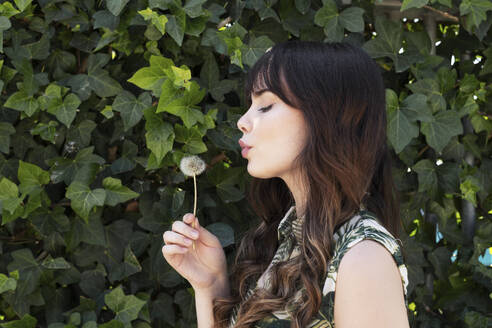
x=101, y=99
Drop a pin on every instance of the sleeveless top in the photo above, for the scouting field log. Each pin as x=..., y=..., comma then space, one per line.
x=363, y=225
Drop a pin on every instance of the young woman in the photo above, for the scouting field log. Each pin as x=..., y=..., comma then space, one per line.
x=315, y=140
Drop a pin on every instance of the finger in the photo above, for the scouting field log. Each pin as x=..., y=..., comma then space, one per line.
x=184, y=229
x=206, y=236
x=171, y=237
x=173, y=249
x=188, y=218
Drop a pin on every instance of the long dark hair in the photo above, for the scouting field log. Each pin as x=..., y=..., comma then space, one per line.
x=345, y=163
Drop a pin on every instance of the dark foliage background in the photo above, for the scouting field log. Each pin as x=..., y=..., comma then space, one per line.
x=101, y=99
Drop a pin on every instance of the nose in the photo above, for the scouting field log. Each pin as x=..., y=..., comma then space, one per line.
x=241, y=124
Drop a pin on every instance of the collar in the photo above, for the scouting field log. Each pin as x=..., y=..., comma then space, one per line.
x=290, y=224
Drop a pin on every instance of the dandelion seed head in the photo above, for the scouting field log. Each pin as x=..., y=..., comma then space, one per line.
x=192, y=165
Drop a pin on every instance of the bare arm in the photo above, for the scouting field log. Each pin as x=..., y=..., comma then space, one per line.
x=204, y=299
x=369, y=290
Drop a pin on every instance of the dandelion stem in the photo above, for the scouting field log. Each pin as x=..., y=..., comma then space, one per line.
x=194, y=205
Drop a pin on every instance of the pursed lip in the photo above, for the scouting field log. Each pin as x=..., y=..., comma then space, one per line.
x=243, y=144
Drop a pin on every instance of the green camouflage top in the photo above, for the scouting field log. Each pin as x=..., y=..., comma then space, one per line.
x=363, y=225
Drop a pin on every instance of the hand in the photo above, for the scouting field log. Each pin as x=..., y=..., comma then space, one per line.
x=202, y=267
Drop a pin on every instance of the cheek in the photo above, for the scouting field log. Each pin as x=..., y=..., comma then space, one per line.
x=284, y=137
x=274, y=157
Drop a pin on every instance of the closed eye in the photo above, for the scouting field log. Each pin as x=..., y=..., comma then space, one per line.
x=265, y=109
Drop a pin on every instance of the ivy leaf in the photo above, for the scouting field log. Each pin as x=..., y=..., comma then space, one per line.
x=159, y=136
x=176, y=25
x=46, y=131
x=65, y=110
x=427, y=176
x=7, y=283
x=469, y=189
x=329, y=18
x=81, y=133
x=103, y=18
x=112, y=324
x=476, y=10
x=469, y=83
x=116, y=6
x=4, y=25
x=223, y=232
x=180, y=76
x=448, y=175
x=27, y=321
x=159, y=21
x=401, y=129
x=22, y=4
x=22, y=102
x=8, y=10
x=58, y=263
x=326, y=13
x=9, y=197
x=29, y=83
x=209, y=76
x=416, y=108
x=351, y=18
x=31, y=176
x=99, y=79
x=438, y=133
x=407, y=4
x=193, y=8
x=6, y=129
x=129, y=266
x=83, y=199
x=196, y=26
x=255, y=49
x=29, y=271
x=388, y=42
x=430, y=88
x=487, y=65
x=474, y=318
x=117, y=193
x=102, y=84
x=183, y=106
x=152, y=77
x=184, y=299
x=130, y=107
x=191, y=138
x=126, y=307
x=69, y=170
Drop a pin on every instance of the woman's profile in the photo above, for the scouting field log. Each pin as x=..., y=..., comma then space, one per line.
x=326, y=252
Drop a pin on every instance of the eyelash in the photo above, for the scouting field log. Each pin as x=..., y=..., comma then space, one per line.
x=265, y=109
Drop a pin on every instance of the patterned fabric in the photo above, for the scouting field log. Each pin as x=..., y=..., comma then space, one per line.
x=363, y=225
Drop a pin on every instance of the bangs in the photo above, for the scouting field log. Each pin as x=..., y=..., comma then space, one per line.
x=266, y=75
x=259, y=78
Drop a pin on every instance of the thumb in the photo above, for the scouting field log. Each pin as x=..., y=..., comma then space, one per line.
x=206, y=236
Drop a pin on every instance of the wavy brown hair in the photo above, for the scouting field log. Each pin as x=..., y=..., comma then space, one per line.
x=345, y=162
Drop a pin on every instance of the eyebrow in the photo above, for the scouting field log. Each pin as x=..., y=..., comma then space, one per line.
x=260, y=92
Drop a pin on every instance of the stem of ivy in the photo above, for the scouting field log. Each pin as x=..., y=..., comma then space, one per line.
x=422, y=150
x=42, y=255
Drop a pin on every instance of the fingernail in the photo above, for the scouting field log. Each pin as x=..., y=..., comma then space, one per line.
x=194, y=233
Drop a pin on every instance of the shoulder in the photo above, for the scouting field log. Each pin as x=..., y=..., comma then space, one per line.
x=369, y=288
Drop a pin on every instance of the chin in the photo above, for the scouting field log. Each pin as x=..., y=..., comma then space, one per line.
x=258, y=173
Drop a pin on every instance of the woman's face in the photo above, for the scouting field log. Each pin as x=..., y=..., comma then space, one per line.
x=276, y=134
